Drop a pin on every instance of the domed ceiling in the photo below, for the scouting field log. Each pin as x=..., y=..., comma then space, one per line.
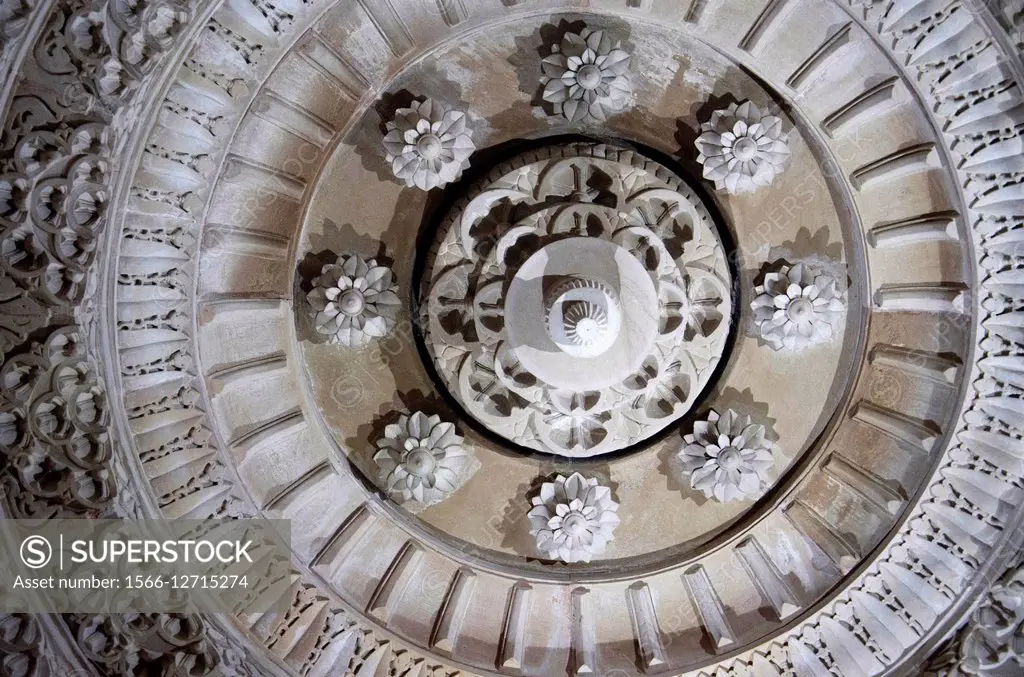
x=613, y=337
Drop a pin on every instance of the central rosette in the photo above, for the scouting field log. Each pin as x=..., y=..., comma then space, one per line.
x=578, y=301
x=584, y=316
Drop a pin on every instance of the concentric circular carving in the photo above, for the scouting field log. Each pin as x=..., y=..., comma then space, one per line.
x=591, y=313
x=912, y=109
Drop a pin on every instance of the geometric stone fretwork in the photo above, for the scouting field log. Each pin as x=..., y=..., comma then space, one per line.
x=578, y=301
x=963, y=76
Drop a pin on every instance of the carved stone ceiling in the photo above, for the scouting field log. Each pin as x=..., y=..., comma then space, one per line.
x=607, y=337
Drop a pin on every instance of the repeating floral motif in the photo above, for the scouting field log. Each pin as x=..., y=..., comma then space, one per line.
x=727, y=457
x=135, y=644
x=421, y=458
x=55, y=167
x=23, y=646
x=798, y=306
x=990, y=645
x=428, y=145
x=354, y=300
x=53, y=431
x=573, y=518
x=817, y=651
x=586, y=77
x=55, y=162
x=742, y=149
x=532, y=203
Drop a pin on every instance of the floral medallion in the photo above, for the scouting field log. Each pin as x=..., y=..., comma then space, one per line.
x=798, y=306
x=727, y=457
x=742, y=148
x=354, y=300
x=586, y=77
x=428, y=145
x=573, y=518
x=421, y=458
x=577, y=320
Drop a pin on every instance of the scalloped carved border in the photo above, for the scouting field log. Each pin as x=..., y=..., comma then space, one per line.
x=967, y=518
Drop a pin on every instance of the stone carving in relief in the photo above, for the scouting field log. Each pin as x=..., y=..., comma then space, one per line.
x=422, y=458
x=781, y=653
x=54, y=156
x=428, y=144
x=54, y=446
x=172, y=645
x=573, y=319
x=992, y=643
x=53, y=197
x=798, y=306
x=13, y=17
x=573, y=518
x=742, y=148
x=23, y=646
x=727, y=457
x=1010, y=13
x=586, y=76
x=354, y=300
x=109, y=48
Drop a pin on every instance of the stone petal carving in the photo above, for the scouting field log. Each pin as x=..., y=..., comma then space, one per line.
x=742, y=148
x=586, y=77
x=798, y=306
x=976, y=73
x=573, y=518
x=428, y=145
x=727, y=457
x=354, y=300
x=421, y=458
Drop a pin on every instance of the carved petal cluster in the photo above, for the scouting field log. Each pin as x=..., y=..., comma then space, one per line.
x=354, y=300
x=727, y=457
x=742, y=149
x=586, y=77
x=421, y=458
x=573, y=518
x=798, y=306
x=428, y=145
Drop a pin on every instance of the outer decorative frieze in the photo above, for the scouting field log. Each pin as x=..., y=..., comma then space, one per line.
x=798, y=306
x=421, y=458
x=174, y=645
x=13, y=18
x=428, y=144
x=727, y=457
x=992, y=642
x=948, y=57
x=1010, y=14
x=354, y=300
x=742, y=148
x=586, y=77
x=54, y=443
x=573, y=320
x=573, y=518
x=23, y=646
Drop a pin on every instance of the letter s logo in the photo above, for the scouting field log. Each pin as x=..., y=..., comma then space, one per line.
x=36, y=552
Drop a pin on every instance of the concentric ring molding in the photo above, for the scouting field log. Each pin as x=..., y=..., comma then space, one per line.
x=898, y=600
